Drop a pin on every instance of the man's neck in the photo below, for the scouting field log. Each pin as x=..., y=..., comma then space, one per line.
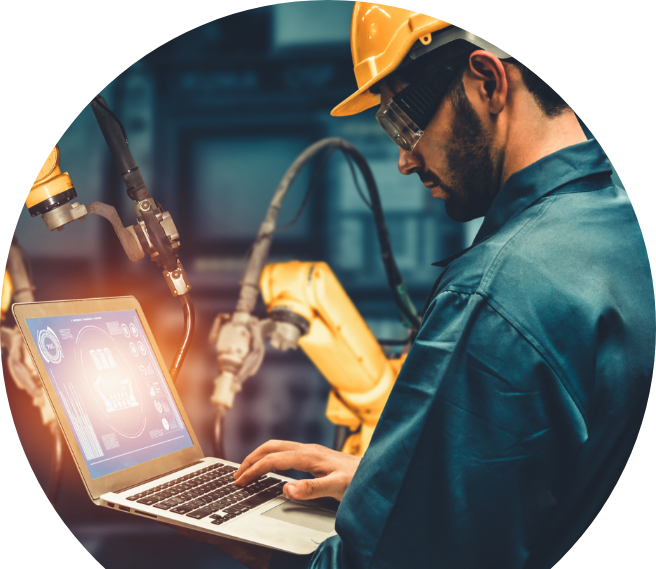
x=532, y=135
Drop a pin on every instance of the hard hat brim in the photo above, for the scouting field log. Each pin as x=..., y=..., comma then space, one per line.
x=359, y=101
x=364, y=99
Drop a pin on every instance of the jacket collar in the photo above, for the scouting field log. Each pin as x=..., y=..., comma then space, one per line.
x=527, y=186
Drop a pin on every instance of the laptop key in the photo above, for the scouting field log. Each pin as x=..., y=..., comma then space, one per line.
x=224, y=503
x=164, y=505
x=149, y=500
x=273, y=492
x=237, y=509
x=220, y=515
x=200, y=514
x=256, y=500
x=184, y=509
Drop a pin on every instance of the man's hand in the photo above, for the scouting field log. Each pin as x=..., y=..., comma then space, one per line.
x=333, y=471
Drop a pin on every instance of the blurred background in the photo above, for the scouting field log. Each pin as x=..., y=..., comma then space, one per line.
x=214, y=118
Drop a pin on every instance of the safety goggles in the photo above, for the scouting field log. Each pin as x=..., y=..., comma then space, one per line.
x=406, y=115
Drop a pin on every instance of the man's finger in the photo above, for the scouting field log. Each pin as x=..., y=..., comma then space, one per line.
x=312, y=488
x=275, y=461
x=260, y=452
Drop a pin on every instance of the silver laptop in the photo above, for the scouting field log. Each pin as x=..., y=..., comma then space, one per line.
x=130, y=436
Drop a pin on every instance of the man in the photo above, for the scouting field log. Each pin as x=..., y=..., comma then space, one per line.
x=523, y=393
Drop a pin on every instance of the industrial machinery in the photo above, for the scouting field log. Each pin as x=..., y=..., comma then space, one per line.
x=51, y=197
x=17, y=287
x=307, y=307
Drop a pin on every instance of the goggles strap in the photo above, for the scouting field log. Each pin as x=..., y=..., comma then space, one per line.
x=421, y=100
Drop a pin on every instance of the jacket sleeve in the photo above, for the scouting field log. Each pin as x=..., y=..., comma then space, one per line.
x=492, y=459
x=330, y=554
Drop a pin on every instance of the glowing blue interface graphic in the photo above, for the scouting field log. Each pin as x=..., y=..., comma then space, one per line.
x=111, y=388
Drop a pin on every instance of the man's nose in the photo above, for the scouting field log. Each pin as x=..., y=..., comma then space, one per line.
x=409, y=163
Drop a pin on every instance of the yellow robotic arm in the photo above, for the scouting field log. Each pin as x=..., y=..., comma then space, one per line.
x=338, y=342
x=7, y=293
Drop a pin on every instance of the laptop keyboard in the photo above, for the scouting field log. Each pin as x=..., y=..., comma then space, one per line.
x=212, y=492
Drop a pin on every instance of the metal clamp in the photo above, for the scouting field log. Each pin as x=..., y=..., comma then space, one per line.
x=165, y=220
x=57, y=218
x=177, y=281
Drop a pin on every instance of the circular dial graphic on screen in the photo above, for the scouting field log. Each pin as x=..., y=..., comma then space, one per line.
x=111, y=381
x=49, y=346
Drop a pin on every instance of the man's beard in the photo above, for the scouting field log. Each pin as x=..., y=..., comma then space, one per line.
x=474, y=176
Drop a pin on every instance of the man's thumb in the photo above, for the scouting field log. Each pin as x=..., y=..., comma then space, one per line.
x=304, y=489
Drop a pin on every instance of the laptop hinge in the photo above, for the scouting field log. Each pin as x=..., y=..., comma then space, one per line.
x=157, y=477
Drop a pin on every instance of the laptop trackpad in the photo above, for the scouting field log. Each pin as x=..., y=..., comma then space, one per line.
x=300, y=515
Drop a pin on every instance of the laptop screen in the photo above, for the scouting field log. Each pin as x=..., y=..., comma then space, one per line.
x=112, y=390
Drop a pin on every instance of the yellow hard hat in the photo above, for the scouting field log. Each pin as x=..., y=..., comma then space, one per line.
x=383, y=34
x=381, y=38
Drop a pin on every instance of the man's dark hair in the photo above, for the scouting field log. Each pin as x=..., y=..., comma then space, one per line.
x=550, y=102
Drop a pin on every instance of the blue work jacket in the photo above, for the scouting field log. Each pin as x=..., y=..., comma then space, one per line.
x=522, y=396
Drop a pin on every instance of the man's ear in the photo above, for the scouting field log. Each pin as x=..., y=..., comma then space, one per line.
x=489, y=80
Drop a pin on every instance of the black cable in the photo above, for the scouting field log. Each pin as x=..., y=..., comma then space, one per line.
x=262, y=243
x=113, y=115
x=136, y=188
x=342, y=433
x=189, y=323
x=306, y=197
x=300, y=210
x=355, y=179
x=397, y=286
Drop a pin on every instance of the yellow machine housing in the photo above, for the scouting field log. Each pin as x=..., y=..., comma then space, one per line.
x=7, y=293
x=51, y=187
x=338, y=342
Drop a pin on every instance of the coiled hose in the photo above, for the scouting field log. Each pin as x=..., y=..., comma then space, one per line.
x=249, y=290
